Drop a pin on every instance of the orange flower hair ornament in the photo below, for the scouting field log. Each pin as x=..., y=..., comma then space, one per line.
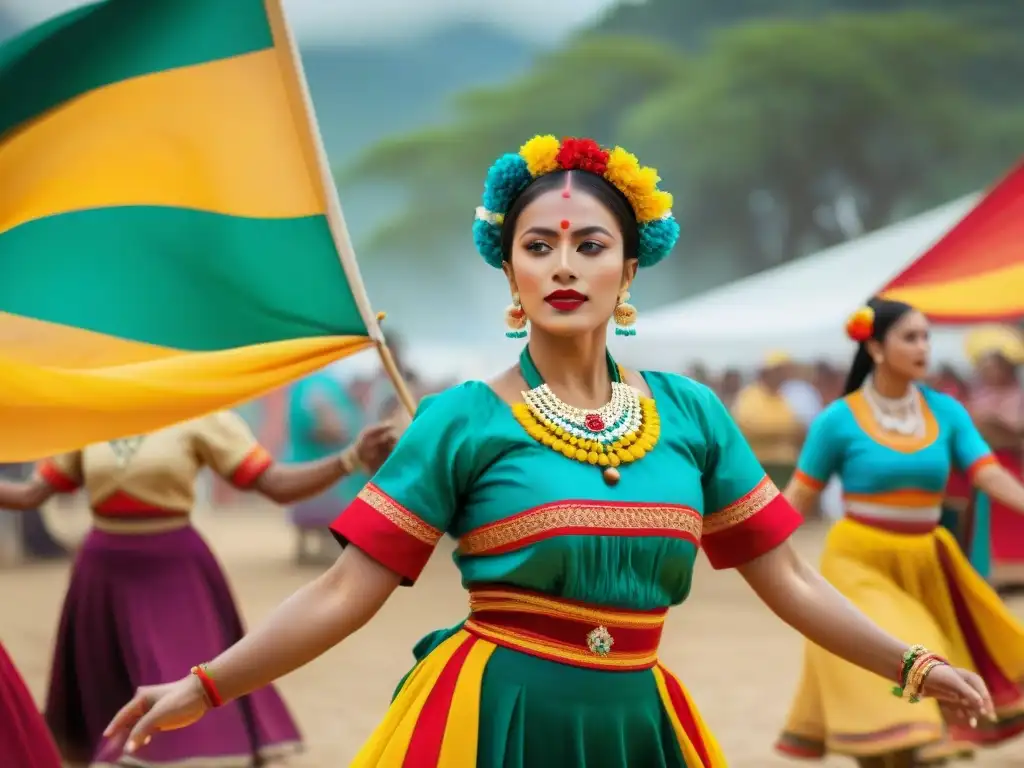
x=513, y=172
x=861, y=325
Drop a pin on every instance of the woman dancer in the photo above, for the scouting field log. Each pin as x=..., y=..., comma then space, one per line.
x=892, y=443
x=146, y=594
x=578, y=525
x=25, y=741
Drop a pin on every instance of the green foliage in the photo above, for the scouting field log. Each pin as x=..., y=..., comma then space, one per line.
x=795, y=108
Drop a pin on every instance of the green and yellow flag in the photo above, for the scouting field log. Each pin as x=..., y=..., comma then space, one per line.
x=170, y=243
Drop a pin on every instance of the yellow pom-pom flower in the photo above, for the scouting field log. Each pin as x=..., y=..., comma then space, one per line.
x=654, y=206
x=540, y=154
x=639, y=184
x=623, y=167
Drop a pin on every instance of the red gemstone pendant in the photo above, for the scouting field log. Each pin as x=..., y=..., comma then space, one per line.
x=593, y=422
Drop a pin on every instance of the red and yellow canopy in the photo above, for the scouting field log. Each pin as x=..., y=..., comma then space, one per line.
x=976, y=272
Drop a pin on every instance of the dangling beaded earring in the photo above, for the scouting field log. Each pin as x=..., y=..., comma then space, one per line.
x=515, y=319
x=625, y=317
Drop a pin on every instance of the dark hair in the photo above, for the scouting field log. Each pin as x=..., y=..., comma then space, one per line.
x=603, y=191
x=887, y=314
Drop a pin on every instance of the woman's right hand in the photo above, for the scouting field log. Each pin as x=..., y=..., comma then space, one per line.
x=374, y=445
x=158, y=708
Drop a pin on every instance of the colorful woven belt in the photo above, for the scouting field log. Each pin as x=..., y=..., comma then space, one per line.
x=565, y=631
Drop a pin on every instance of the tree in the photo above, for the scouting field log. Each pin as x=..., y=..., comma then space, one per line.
x=585, y=89
x=780, y=137
x=852, y=107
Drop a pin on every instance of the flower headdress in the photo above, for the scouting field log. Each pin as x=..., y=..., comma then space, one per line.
x=861, y=325
x=513, y=172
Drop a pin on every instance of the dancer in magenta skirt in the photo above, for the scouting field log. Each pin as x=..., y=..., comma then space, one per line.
x=147, y=594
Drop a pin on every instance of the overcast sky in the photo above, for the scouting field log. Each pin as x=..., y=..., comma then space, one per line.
x=350, y=20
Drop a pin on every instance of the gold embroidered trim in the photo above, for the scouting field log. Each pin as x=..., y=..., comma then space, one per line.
x=407, y=521
x=741, y=510
x=511, y=601
x=543, y=520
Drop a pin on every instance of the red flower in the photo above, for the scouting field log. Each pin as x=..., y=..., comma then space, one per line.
x=582, y=155
x=593, y=422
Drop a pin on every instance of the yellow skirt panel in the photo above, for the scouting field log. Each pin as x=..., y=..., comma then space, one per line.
x=905, y=584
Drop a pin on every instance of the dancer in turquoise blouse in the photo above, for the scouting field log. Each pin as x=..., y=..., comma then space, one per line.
x=893, y=454
x=323, y=418
x=579, y=494
x=844, y=440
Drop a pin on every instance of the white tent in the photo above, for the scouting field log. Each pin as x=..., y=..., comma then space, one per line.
x=799, y=308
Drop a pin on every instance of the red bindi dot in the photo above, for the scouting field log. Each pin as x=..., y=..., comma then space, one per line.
x=567, y=194
x=564, y=224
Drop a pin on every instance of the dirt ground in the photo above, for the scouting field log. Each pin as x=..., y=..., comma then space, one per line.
x=339, y=698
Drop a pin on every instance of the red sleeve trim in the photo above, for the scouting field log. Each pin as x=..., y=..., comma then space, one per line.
x=811, y=482
x=753, y=536
x=987, y=460
x=388, y=532
x=255, y=463
x=56, y=479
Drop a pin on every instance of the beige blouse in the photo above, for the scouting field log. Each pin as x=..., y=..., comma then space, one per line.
x=156, y=476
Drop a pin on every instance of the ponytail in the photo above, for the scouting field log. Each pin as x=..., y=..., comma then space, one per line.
x=861, y=368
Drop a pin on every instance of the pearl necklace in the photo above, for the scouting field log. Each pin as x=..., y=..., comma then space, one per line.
x=619, y=416
x=901, y=415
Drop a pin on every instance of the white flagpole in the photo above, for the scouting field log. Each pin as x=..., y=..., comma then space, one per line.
x=283, y=37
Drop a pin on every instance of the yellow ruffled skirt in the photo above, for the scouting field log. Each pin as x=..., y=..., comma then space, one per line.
x=921, y=589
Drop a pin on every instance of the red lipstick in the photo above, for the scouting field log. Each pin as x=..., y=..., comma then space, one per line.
x=565, y=301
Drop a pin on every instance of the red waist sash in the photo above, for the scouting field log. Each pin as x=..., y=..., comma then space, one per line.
x=569, y=632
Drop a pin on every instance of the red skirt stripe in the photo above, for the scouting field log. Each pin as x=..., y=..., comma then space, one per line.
x=424, y=749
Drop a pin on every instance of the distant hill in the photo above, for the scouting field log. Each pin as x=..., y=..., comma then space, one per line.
x=363, y=93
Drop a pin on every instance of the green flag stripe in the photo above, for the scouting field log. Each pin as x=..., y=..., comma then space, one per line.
x=115, y=40
x=180, y=278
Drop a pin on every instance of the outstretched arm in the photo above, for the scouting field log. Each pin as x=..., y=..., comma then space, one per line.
x=225, y=443
x=25, y=495
x=310, y=622
x=998, y=483
x=802, y=598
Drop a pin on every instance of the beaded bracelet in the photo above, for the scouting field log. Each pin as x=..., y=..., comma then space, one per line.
x=209, y=687
x=918, y=663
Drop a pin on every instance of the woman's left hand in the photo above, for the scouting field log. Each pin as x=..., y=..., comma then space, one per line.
x=961, y=694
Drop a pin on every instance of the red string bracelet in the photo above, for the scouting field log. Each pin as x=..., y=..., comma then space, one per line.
x=209, y=687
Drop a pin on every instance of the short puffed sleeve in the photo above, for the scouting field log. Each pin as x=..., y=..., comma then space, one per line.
x=968, y=448
x=823, y=450
x=63, y=473
x=403, y=511
x=745, y=516
x=225, y=443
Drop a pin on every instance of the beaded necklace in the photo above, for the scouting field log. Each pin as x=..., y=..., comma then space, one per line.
x=622, y=431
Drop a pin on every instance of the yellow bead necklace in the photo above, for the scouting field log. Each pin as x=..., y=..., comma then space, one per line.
x=623, y=431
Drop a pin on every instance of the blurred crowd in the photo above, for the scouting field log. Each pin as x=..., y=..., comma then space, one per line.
x=775, y=406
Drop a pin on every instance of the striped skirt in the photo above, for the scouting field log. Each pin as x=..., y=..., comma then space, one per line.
x=532, y=681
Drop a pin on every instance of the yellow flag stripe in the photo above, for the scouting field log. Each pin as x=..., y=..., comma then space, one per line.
x=38, y=342
x=221, y=137
x=86, y=406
